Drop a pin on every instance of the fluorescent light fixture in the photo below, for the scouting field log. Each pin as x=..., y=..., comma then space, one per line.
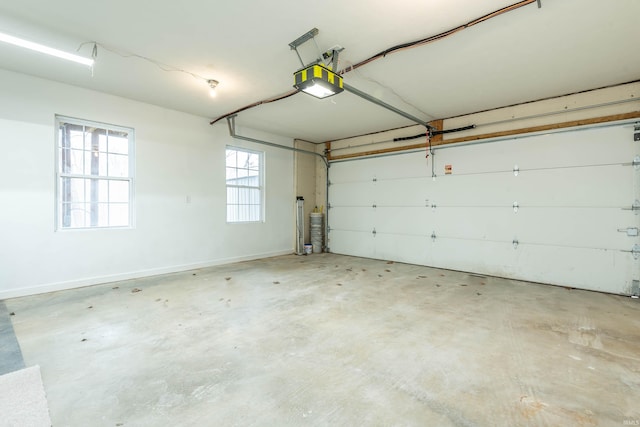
x=318, y=81
x=45, y=49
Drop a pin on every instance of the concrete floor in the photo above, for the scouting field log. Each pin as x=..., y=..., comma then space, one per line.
x=332, y=340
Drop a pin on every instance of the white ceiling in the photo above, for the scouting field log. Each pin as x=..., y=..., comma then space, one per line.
x=523, y=55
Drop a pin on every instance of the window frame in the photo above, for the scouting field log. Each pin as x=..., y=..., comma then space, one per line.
x=261, y=187
x=59, y=174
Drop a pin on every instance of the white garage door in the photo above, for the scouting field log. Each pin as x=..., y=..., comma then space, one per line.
x=565, y=217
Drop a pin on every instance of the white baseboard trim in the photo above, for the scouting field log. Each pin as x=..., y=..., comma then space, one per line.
x=91, y=281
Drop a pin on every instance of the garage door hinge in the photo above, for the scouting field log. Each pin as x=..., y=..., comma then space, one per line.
x=631, y=231
x=328, y=229
x=374, y=232
x=375, y=179
x=635, y=207
x=636, y=162
x=636, y=132
x=635, y=251
x=515, y=243
x=516, y=206
x=328, y=205
x=374, y=206
x=433, y=236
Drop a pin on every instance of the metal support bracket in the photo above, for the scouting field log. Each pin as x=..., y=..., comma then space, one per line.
x=433, y=236
x=374, y=232
x=636, y=132
x=636, y=162
x=515, y=243
x=231, y=123
x=301, y=40
x=635, y=251
x=516, y=206
x=516, y=170
x=383, y=104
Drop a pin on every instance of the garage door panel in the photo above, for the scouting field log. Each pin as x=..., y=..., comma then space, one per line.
x=579, y=227
x=592, y=269
x=401, y=248
x=476, y=190
x=474, y=223
x=588, y=186
x=410, y=221
x=352, y=243
x=352, y=219
x=352, y=194
x=402, y=192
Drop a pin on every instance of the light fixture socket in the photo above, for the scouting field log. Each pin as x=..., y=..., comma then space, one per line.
x=318, y=81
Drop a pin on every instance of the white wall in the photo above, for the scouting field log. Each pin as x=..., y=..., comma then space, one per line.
x=177, y=155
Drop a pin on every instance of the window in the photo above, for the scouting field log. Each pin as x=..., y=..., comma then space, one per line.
x=94, y=175
x=244, y=185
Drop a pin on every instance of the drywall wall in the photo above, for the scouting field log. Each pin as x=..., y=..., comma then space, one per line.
x=180, y=195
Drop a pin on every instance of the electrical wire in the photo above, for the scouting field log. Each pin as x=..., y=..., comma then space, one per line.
x=388, y=51
x=124, y=54
x=255, y=104
x=439, y=36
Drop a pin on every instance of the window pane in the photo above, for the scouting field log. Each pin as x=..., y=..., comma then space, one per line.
x=254, y=213
x=92, y=163
x=232, y=213
x=75, y=162
x=102, y=215
x=118, y=144
x=103, y=191
x=99, y=164
x=78, y=215
x=232, y=196
x=72, y=190
x=102, y=143
x=231, y=175
x=118, y=191
x=118, y=214
x=118, y=165
x=253, y=161
x=243, y=159
x=76, y=139
x=231, y=158
x=64, y=160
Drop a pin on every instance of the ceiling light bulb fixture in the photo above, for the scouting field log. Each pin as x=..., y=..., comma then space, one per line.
x=45, y=49
x=212, y=87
